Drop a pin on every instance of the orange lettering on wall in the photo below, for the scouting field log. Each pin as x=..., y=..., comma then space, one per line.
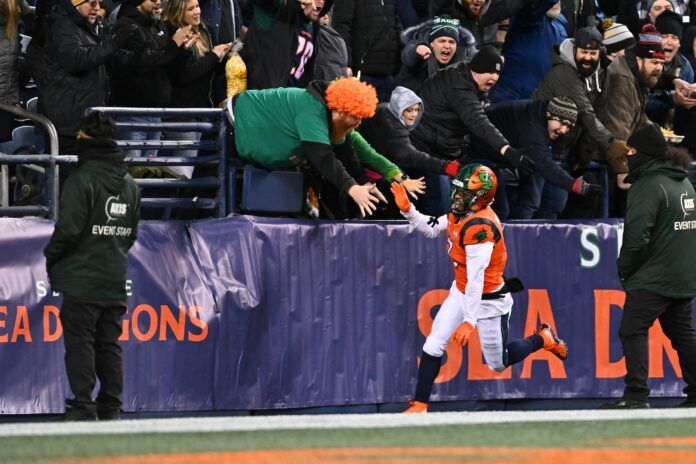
x=3, y=310
x=658, y=341
x=125, y=332
x=152, y=321
x=604, y=300
x=453, y=354
x=194, y=312
x=478, y=369
x=167, y=319
x=51, y=313
x=539, y=309
x=21, y=325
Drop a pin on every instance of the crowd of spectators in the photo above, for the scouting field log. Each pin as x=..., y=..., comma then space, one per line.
x=358, y=94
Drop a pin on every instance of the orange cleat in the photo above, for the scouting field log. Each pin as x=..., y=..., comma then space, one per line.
x=416, y=407
x=552, y=343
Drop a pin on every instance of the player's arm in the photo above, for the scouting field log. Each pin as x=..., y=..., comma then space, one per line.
x=429, y=226
x=478, y=256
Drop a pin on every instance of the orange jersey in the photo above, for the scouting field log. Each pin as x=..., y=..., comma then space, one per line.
x=480, y=227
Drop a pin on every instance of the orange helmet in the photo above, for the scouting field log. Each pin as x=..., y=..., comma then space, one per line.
x=473, y=189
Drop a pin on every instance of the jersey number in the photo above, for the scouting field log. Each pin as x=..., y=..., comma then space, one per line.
x=305, y=48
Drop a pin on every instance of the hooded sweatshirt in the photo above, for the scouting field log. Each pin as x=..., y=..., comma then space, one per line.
x=564, y=80
x=659, y=239
x=388, y=133
x=99, y=212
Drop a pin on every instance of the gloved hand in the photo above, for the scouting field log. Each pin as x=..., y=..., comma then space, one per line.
x=618, y=149
x=401, y=197
x=519, y=160
x=582, y=187
x=452, y=168
x=461, y=334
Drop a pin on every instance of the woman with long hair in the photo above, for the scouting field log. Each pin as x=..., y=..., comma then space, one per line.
x=11, y=12
x=192, y=72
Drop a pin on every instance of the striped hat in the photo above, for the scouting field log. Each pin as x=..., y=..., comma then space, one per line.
x=617, y=37
x=649, y=44
x=562, y=109
x=444, y=26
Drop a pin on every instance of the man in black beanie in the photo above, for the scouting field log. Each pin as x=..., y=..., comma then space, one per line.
x=454, y=100
x=656, y=262
x=86, y=262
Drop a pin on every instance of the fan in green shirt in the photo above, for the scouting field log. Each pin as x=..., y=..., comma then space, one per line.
x=281, y=128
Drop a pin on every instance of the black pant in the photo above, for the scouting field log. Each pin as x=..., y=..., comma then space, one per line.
x=676, y=317
x=91, y=329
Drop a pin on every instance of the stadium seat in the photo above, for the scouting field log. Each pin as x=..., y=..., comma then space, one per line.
x=24, y=136
x=271, y=191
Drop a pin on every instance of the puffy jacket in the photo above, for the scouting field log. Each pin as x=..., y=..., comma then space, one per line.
x=70, y=69
x=271, y=42
x=485, y=28
x=453, y=110
x=527, y=50
x=98, y=223
x=139, y=75
x=9, y=55
x=370, y=29
x=387, y=133
x=415, y=70
x=564, y=80
x=192, y=75
x=659, y=239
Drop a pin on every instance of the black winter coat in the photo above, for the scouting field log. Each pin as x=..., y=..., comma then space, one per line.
x=139, y=75
x=192, y=75
x=493, y=12
x=391, y=138
x=453, y=110
x=524, y=124
x=70, y=70
x=269, y=53
x=371, y=31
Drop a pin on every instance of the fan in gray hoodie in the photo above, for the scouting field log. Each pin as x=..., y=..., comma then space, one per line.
x=388, y=133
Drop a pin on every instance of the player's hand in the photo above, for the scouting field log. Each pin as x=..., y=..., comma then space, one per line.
x=414, y=186
x=362, y=196
x=401, y=197
x=461, y=334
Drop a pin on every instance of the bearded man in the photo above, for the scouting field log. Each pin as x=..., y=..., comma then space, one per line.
x=575, y=73
x=630, y=78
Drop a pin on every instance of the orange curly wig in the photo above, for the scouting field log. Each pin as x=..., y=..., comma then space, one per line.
x=351, y=96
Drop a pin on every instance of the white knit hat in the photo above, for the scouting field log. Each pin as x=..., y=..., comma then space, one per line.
x=617, y=37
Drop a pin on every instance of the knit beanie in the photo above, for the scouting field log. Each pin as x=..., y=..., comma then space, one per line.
x=562, y=109
x=585, y=36
x=487, y=60
x=650, y=3
x=669, y=22
x=648, y=140
x=649, y=44
x=617, y=37
x=444, y=26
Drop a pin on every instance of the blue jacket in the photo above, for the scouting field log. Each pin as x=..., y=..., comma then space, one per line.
x=527, y=51
x=224, y=19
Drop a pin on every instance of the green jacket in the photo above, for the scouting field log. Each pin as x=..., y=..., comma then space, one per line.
x=97, y=224
x=659, y=242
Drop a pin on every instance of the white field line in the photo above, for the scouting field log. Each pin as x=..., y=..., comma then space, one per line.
x=338, y=421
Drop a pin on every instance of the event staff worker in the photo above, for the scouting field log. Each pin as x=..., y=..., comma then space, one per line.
x=656, y=262
x=86, y=261
x=304, y=124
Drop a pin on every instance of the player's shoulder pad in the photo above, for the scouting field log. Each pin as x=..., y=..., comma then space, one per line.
x=479, y=230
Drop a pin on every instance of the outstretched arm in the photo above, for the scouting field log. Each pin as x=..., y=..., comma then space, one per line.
x=429, y=226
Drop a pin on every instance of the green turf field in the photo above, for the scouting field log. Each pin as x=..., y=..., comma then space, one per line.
x=591, y=435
